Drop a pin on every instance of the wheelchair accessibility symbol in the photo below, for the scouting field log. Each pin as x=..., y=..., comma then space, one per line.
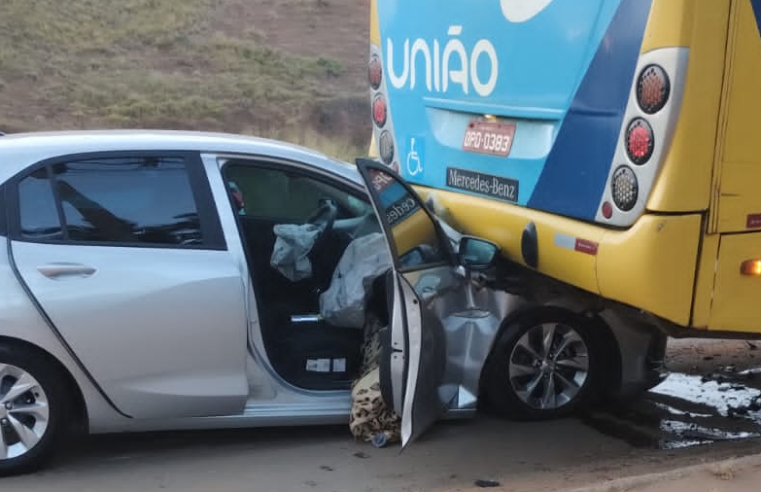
x=414, y=159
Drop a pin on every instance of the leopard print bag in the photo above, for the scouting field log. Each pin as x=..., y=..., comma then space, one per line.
x=371, y=419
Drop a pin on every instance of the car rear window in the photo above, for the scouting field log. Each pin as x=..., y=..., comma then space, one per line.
x=119, y=201
x=37, y=208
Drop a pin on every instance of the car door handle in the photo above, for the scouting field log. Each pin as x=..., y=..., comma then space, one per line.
x=58, y=270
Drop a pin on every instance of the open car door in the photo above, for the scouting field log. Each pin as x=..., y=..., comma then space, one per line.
x=425, y=285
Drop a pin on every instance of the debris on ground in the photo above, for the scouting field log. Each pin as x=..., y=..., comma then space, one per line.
x=485, y=484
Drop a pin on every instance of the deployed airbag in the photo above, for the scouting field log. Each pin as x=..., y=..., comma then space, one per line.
x=365, y=259
x=292, y=247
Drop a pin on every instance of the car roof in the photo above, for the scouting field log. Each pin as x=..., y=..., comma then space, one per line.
x=20, y=150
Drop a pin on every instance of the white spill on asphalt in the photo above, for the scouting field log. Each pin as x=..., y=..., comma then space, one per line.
x=688, y=410
x=718, y=395
x=701, y=433
x=682, y=413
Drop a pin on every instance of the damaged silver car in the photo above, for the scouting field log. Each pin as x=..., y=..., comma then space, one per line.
x=173, y=280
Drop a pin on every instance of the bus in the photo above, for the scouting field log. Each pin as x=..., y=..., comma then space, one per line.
x=611, y=149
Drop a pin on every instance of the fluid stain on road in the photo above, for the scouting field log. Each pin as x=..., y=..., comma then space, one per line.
x=687, y=410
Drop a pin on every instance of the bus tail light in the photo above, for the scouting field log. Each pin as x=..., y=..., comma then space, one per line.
x=639, y=141
x=648, y=124
x=379, y=111
x=625, y=188
x=375, y=72
x=607, y=210
x=383, y=128
x=653, y=89
x=386, y=147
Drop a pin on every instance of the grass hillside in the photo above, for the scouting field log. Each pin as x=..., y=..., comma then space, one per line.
x=291, y=69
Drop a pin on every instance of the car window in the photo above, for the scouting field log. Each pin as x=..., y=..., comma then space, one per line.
x=113, y=200
x=416, y=240
x=38, y=213
x=286, y=196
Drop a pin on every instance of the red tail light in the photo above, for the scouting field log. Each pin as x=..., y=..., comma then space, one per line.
x=607, y=210
x=375, y=72
x=379, y=111
x=639, y=141
x=653, y=89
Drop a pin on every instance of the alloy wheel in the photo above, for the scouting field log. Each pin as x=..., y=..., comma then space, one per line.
x=549, y=366
x=24, y=412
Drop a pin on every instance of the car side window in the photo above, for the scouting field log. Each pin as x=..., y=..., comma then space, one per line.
x=38, y=213
x=120, y=201
x=284, y=196
x=415, y=238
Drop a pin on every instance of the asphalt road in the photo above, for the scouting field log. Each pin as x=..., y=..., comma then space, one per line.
x=659, y=432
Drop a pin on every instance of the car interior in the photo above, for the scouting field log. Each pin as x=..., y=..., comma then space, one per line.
x=304, y=349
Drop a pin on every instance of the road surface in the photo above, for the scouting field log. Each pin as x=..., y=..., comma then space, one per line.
x=454, y=456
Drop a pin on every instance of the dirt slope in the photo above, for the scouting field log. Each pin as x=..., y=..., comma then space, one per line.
x=286, y=68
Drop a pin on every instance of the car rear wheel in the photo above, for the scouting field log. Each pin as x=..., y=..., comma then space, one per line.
x=545, y=365
x=31, y=410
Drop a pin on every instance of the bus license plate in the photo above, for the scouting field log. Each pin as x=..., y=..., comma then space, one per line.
x=489, y=137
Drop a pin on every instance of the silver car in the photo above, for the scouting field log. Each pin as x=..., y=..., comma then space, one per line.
x=173, y=280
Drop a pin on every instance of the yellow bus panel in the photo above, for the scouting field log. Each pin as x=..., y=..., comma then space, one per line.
x=736, y=296
x=739, y=207
x=689, y=162
x=652, y=265
x=706, y=275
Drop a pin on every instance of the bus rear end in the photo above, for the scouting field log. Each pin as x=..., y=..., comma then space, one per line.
x=580, y=135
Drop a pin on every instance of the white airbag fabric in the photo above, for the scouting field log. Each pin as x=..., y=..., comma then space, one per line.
x=365, y=259
x=293, y=244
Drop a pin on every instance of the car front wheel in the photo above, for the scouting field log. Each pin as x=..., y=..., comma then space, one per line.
x=545, y=365
x=31, y=409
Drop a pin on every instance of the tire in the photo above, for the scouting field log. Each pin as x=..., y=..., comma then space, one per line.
x=523, y=380
x=32, y=404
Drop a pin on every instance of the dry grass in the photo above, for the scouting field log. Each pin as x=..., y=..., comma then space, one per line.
x=160, y=64
x=338, y=148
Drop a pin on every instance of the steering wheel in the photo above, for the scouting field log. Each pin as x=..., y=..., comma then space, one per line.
x=324, y=216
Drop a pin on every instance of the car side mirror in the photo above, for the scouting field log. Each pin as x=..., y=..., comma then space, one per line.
x=419, y=255
x=476, y=254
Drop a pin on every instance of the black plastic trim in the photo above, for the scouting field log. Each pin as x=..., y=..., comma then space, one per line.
x=211, y=227
x=3, y=211
x=530, y=245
